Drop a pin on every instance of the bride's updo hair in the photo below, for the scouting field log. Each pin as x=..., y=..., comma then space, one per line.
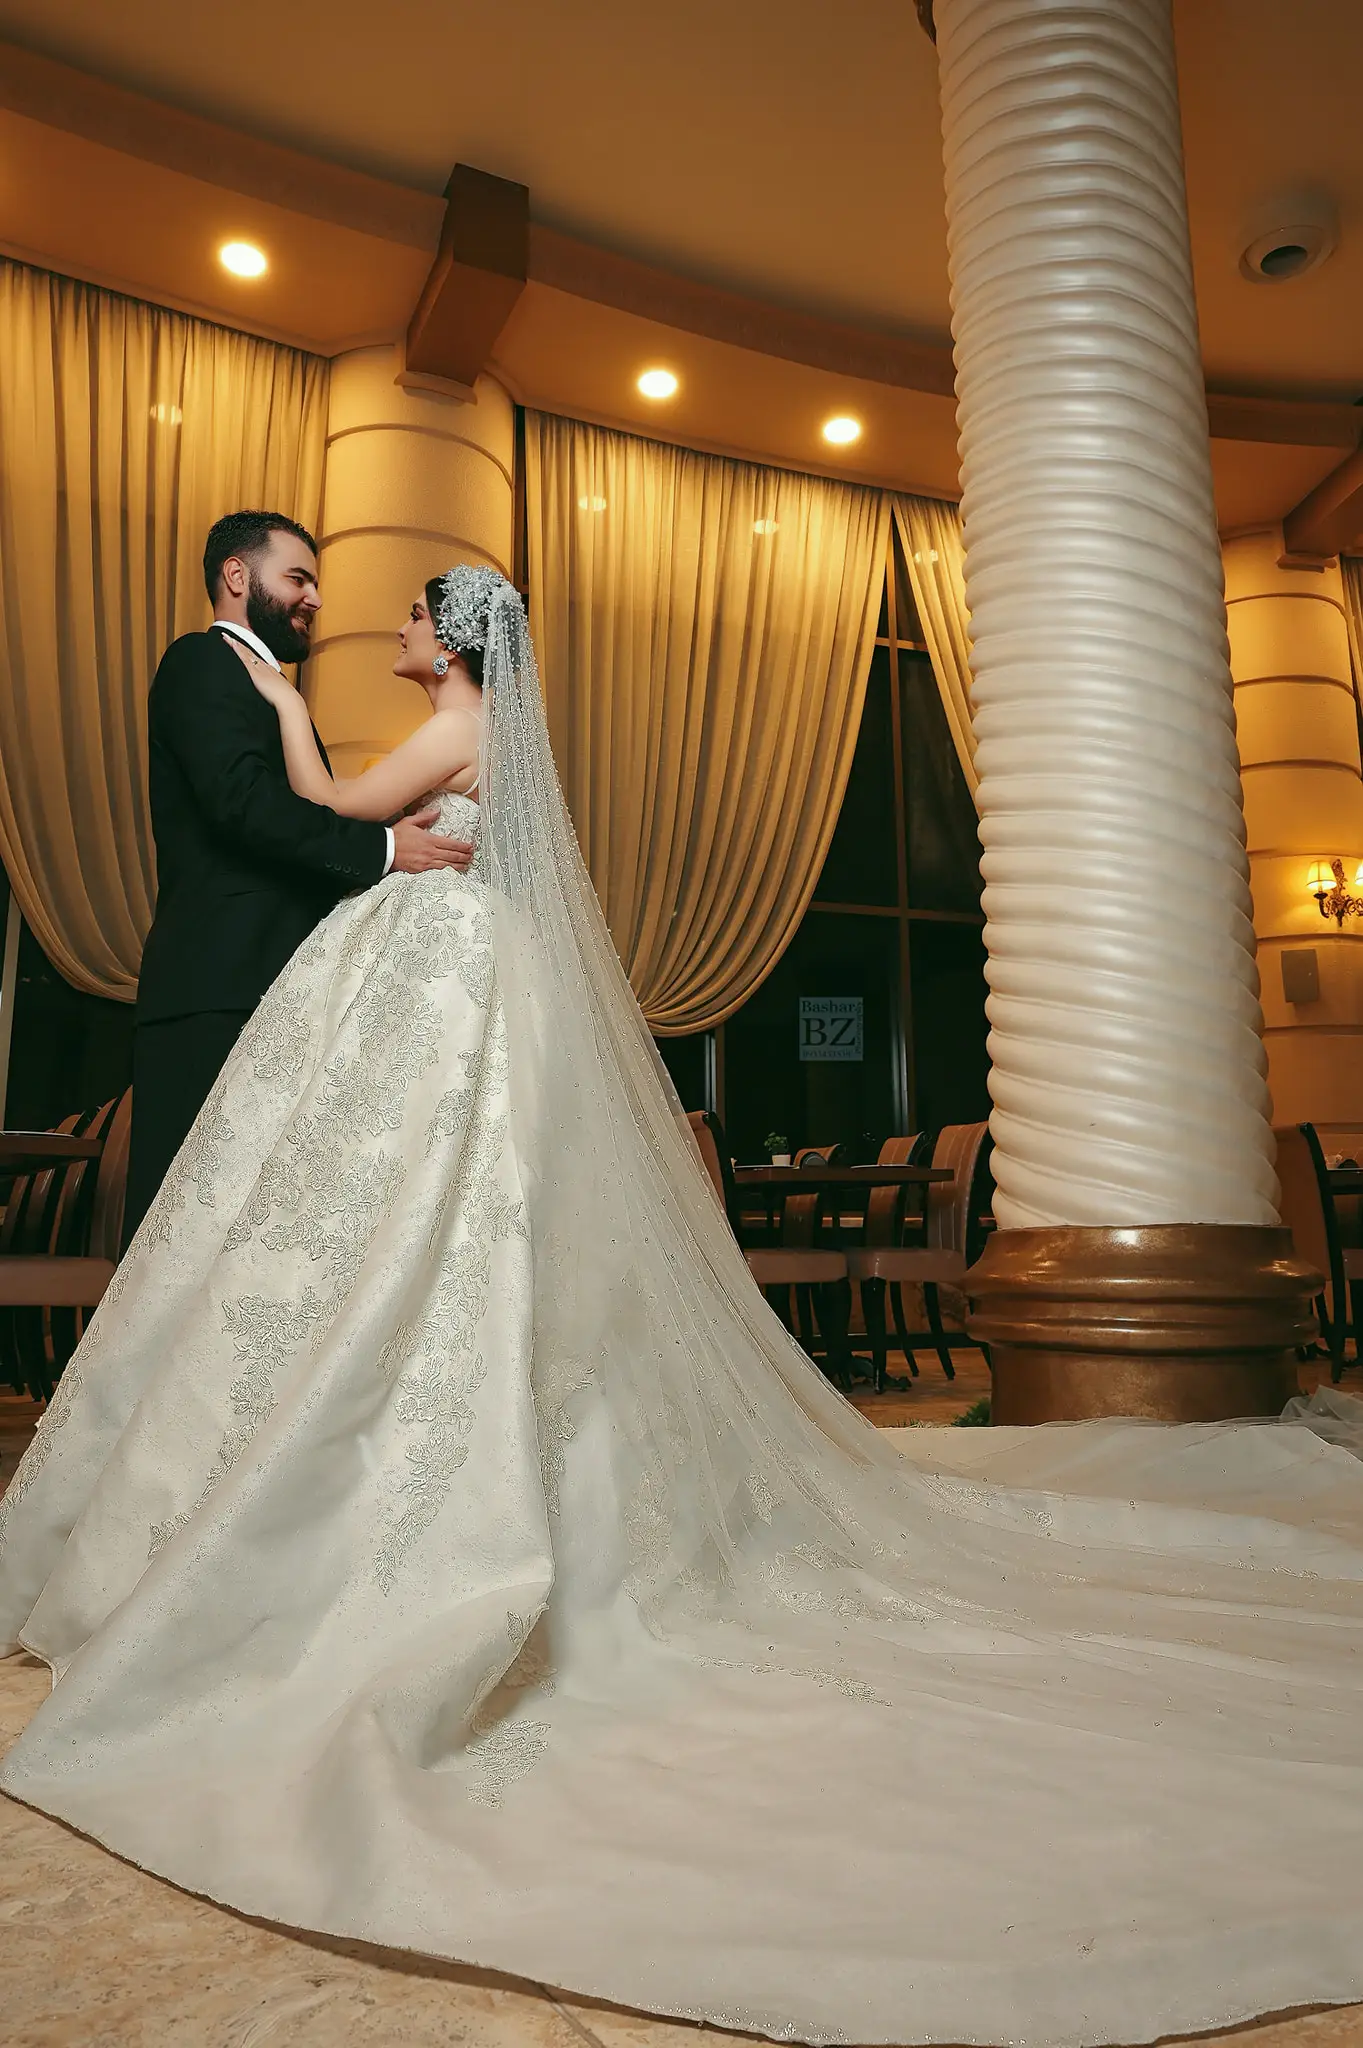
x=459, y=603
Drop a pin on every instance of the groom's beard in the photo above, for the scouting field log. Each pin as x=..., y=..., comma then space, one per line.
x=283, y=627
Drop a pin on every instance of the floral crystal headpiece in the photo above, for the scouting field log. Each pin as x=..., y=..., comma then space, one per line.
x=467, y=596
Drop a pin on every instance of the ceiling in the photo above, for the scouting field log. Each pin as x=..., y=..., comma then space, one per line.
x=783, y=147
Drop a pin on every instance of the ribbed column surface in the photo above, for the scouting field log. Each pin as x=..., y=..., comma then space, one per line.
x=1128, y=1067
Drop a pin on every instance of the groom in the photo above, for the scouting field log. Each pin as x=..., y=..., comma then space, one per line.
x=245, y=868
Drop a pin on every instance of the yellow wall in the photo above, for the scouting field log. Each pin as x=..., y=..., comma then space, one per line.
x=1303, y=801
x=414, y=483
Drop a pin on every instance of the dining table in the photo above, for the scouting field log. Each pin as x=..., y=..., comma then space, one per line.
x=35, y=1151
x=833, y=1185
x=1345, y=1180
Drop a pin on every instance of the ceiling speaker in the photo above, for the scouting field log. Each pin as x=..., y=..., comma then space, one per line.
x=1289, y=237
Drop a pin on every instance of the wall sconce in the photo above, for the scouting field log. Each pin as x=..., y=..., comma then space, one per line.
x=1325, y=880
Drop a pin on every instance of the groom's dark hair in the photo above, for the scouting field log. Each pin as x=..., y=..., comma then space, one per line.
x=244, y=534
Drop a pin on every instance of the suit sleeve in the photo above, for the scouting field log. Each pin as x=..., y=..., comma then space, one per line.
x=208, y=719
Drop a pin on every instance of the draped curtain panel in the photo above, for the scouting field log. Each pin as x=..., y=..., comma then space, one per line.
x=705, y=630
x=125, y=431
x=930, y=534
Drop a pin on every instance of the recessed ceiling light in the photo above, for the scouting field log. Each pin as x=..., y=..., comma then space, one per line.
x=657, y=384
x=841, y=429
x=591, y=504
x=766, y=525
x=243, y=259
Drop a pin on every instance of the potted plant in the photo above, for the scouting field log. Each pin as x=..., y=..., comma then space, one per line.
x=778, y=1145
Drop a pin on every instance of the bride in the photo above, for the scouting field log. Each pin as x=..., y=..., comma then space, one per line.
x=437, y=1541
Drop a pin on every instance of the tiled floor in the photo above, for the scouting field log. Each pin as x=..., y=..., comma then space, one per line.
x=96, y=1954
x=931, y=1398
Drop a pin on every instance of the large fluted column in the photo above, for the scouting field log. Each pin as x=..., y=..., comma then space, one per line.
x=415, y=482
x=1299, y=760
x=1139, y=1266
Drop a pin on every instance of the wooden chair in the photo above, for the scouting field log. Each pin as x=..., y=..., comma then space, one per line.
x=886, y=1207
x=58, y=1250
x=952, y=1234
x=802, y=1215
x=1307, y=1208
x=37, y=1218
x=1349, y=1219
x=802, y=1219
x=886, y=1211
x=781, y=1269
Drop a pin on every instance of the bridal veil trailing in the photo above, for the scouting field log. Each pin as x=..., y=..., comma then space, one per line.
x=437, y=1541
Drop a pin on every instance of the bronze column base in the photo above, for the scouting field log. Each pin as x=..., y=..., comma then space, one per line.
x=1178, y=1322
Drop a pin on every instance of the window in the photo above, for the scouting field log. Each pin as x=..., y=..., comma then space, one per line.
x=895, y=925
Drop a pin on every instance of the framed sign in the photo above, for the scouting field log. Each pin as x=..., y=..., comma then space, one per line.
x=830, y=1027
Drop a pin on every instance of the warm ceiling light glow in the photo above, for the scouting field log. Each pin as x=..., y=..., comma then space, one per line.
x=243, y=259
x=591, y=504
x=841, y=429
x=766, y=526
x=657, y=384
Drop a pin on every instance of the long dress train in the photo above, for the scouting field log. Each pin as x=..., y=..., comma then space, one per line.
x=437, y=1541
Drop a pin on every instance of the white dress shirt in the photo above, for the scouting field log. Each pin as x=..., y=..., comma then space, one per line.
x=257, y=646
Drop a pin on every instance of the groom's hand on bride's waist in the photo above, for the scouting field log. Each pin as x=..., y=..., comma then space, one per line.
x=416, y=849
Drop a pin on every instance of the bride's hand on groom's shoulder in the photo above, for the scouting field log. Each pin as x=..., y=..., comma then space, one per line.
x=275, y=688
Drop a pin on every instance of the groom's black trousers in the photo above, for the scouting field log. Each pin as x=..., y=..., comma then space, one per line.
x=176, y=1060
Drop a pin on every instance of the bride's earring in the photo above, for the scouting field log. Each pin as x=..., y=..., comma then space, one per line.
x=441, y=665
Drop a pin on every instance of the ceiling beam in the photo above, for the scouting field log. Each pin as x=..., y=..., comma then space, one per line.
x=476, y=279
x=586, y=271
x=77, y=103
x=1329, y=519
x=1288, y=422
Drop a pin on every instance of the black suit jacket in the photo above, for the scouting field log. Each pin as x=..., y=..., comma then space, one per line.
x=245, y=868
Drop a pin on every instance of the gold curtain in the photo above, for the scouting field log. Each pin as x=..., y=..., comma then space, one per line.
x=930, y=533
x=125, y=431
x=705, y=631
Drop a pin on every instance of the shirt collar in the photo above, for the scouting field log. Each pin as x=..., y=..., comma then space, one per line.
x=251, y=639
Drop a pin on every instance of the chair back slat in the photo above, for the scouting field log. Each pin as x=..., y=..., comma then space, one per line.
x=953, y=1207
x=71, y=1222
x=885, y=1207
x=800, y=1214
x=38, y=1210
x=1307, y=1208
x=111, y=1183
x=708, y=1132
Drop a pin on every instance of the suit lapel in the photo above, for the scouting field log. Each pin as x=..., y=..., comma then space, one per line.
x=220, y=634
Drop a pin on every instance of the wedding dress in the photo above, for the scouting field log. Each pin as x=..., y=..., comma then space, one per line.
x=437, y=1541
